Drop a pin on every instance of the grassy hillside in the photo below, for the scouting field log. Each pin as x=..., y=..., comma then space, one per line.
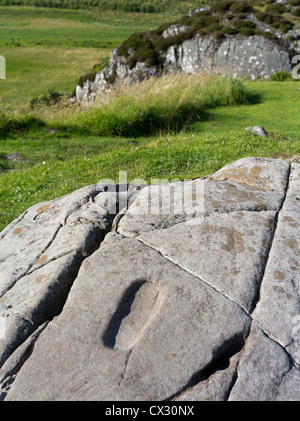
x=135, y=6
x=163, y=129
x=50, y=48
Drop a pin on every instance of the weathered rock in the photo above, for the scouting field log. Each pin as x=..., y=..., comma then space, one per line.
x=116, y=71
x=198, y=300
x=279, y=306
x=109, y=366
x=249, y=57
x=261, y=372
x=40, y=255
x=174, y=30
x=13, y=156
x=251, y=185
x=259, y=131
x=220, y=42
x=265, y=372
x=230, y=238
x=13, y=364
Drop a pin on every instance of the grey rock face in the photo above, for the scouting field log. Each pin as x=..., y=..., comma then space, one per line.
x=248, y=57
x=115, y=72
x=174, y=30
x=40, y=255
x=257, y=130
x=193, y=296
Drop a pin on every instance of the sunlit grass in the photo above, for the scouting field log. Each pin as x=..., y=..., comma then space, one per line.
x=62, y=162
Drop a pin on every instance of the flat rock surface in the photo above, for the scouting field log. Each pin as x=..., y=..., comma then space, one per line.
x=40, y=255
x=194, y=295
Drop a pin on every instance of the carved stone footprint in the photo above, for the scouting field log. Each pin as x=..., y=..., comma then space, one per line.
x=137, y=309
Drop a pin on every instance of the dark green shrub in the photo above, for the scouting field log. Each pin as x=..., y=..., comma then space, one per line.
x=202, y=32
x=283, y=24
x=221, y=6
x=89, y=76
x=147, y=55
x=240, y=24
x=265, y=17
x=135, y=42
x=164, y=43
x=219, y=35
x=159, y=31
x=214, y=27
x=14, y=125
x=281, y=76
x=241, y=7
x=257, y=2
x=229, y=30
x=286, y=25
x=53, y=97
x=200, y=18
x=275, y=8
x=267, y=35
x=294, y=2
x=247, y=32
x=296, y=12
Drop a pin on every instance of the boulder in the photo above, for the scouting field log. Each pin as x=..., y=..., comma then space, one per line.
x=258, y=131
x=238, y=40
x=249, y=57
x=189, y=292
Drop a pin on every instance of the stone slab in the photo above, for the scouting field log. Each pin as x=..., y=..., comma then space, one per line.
x=278, y=309
x=249, y=184
x=193, y=295
x=95, y=353
x=265, y=372
x=40, y=255
x=228, y=251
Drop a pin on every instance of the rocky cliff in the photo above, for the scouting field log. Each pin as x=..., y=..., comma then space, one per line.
x=228, y=38
x=183, y=291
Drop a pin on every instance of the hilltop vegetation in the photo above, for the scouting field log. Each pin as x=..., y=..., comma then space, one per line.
x=135, y=6
x=158, y=6
x=225, y=17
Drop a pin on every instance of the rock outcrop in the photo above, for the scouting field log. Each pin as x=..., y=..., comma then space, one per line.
x=246, y=43
x=191, y=292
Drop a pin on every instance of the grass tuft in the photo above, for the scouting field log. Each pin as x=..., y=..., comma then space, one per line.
x=19, y=125
x=157, y=105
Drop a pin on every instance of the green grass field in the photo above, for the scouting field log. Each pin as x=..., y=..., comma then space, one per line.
x=185, y=137
x=52, y=48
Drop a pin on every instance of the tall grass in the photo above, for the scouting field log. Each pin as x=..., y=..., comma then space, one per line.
x=156, y=105
x=11, y=125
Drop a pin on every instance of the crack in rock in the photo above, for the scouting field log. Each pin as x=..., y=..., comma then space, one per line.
x=183, y=296
x=227, y=352
x=51, y=272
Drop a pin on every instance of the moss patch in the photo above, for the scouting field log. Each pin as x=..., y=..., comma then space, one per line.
x=87, y=77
